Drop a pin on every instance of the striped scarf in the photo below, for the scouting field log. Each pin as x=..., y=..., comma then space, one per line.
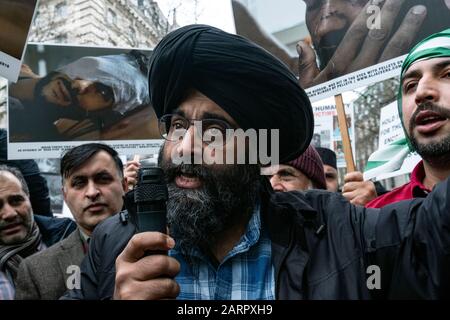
x=12, y=255
x=391, y=157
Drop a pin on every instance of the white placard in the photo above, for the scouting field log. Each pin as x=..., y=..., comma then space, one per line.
x=391, y=128
x=327, y=133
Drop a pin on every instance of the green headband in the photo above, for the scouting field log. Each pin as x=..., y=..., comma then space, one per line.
x=435, y=46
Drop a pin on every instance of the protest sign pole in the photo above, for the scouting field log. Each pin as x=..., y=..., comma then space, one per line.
x=348, y=153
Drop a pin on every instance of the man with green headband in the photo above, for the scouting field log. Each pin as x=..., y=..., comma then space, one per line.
x=424, y=107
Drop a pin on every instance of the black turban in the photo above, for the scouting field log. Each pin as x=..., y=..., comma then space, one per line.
x=256, y=89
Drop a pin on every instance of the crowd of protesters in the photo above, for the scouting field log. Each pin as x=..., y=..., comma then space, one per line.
x=238, y=230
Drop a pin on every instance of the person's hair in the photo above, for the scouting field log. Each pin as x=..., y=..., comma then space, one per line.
x=16, y=172
x=141, y=59
x=76, y=157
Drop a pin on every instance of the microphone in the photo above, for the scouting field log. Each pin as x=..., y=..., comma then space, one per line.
x=150, y=196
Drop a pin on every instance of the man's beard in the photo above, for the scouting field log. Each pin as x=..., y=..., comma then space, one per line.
x=436, y=153
x=52, y=110
x=226, y=197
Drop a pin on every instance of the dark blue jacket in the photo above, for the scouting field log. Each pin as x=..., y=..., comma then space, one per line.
x=54, y=230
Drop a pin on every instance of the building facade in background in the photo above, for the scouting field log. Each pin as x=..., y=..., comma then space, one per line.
x=109, y=23
x=118, y=23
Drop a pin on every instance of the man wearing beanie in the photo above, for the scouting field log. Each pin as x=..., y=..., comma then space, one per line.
x=303, y=173
x=230, y=235
x=330, y=168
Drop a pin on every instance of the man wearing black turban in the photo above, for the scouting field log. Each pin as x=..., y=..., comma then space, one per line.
x=248, y=83
x=231, y=236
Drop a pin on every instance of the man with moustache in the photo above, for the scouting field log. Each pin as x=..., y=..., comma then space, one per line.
x=92, y=89
x=22, y=233
x=93, y=188
x=231, y=236
x=428, y=99
x=424, y=107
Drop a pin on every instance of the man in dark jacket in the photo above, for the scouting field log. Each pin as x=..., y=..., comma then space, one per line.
x=22, y=233
x=231, y=236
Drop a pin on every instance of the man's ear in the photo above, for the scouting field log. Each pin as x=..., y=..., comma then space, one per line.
x=125, y=184
x=63, y=189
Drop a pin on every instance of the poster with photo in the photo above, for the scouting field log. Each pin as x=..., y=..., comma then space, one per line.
x=327, y=133
x=342, y=44
x=15, y=21
x=69, y=95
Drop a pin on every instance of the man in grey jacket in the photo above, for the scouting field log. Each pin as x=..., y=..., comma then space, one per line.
x=93, y=188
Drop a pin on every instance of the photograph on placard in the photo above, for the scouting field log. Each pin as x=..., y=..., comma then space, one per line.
x=79, y=94
x=338, y=45
x=327, y=133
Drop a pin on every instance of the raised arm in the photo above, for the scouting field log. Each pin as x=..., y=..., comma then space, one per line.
x=410, y=242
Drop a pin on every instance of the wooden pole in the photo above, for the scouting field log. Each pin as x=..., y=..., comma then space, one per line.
x=348, y=153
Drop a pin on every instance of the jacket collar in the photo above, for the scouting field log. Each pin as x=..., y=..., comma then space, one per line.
x=280, y=210
x=74, y=239
x=291, y=221
x=53, y=229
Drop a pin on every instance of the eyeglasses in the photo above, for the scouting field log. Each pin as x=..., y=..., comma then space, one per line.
x=173, y=127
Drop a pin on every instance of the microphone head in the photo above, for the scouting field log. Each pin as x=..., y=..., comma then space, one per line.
x=151, y=185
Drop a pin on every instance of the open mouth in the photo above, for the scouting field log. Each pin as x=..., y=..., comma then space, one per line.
x=188, y=180
x=427, y=122
x=11, y=228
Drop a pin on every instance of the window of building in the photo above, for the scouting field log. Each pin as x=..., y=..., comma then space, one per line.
x=61, y=38
x=111, y=17
x=61, y=10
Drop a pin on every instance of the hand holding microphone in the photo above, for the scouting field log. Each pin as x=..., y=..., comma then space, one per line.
x=143, y=269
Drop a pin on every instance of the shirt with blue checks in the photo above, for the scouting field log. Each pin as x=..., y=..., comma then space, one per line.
x=246, y=272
